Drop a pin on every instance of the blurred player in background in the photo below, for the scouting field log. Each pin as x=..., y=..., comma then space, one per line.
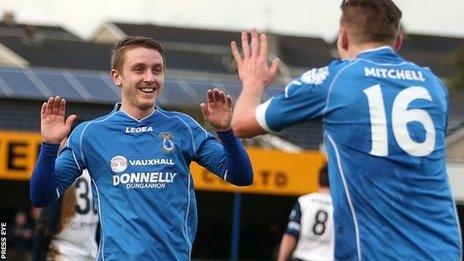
x=138, y=158
x=67, y=228
x=309, y=234
x=385, y=122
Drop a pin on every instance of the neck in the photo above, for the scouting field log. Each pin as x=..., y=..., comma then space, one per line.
x=136, y=112
x=324, y=190
x=356, y=49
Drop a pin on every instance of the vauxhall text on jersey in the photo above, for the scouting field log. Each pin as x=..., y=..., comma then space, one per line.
x=141, y=179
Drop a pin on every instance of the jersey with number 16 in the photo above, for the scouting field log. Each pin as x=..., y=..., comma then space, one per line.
x=385, y=122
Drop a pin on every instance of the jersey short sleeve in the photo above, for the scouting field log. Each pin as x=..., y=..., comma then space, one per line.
x=304, y=98
x=294, y=221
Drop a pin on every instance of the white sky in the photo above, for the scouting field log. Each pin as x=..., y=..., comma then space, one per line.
x=293, y=17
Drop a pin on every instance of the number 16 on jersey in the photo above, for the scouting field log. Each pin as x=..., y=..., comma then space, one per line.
x=400, y=117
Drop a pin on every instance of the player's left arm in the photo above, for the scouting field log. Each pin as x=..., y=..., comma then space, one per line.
x=287, y=246
x=230, y=160
x=291, y=235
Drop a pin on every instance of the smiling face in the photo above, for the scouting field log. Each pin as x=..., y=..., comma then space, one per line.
x=141, y=79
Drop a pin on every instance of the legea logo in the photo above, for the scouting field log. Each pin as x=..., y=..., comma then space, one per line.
x=139, y=129
x=118, y=164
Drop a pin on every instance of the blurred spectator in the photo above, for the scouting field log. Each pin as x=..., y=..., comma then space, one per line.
x=20, y=238
x=35, y=215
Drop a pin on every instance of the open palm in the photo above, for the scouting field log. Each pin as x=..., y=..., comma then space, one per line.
x=218, y=110
x=53, y=125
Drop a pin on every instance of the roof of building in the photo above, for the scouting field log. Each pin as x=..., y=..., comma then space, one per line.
x=41, y=31
x=305, y=52
x=178, y=34
x=59, y=53
x=96, y=56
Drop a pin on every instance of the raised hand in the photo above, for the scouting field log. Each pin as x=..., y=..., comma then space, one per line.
x=218, y=110
x=253, y=68
x=53, y=126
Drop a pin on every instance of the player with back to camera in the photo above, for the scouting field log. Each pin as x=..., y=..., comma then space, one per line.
x=138, y=158
x=384, y=121
x=309, y=234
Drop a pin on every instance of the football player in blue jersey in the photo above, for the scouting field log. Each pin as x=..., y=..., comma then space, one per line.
x=138, y=158
x=384, y=121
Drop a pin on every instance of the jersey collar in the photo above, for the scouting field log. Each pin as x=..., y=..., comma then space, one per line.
x=381, y=55
x=376, y=51
x=117, y=109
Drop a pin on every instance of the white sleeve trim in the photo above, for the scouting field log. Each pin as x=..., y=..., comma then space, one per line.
x=293, y=225
x=286, y=90
x=260, y=115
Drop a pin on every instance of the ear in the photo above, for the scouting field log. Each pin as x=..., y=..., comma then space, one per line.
x=344, y=41
x=116, y=77
x=398, y=42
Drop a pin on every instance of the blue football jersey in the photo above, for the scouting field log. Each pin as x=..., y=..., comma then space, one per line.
x=385, y=122
x=141, y=180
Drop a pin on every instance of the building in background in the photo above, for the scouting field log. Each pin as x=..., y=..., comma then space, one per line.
x=39, y=61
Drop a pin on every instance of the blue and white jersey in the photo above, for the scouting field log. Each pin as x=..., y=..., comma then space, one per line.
x=141, y=180
x=76, y=239
x=311, y=221
x=66, y=229
x=385, y=121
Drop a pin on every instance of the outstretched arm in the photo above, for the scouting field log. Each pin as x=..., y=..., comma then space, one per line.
x=54, y=128
x=235, y=163
x=255, y=74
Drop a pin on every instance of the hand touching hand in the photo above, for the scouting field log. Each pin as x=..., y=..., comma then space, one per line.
x=218, y=110
x=53, y=126
x=253, y=68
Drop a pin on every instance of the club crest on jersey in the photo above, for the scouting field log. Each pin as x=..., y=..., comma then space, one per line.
x=168, y=145
x=118, y=164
